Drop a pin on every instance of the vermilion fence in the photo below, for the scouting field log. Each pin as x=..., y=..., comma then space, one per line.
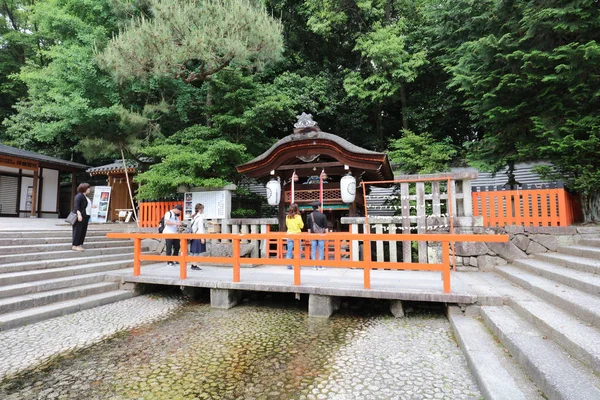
x=338, y=262
x=152, y=212
x=526, y=207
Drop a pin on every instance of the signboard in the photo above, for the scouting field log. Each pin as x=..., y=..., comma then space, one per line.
x=217, y=204
x=13, y=162
x=100, y=204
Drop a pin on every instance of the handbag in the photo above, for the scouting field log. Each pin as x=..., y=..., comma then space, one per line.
x=72, y=218
x=316, y=228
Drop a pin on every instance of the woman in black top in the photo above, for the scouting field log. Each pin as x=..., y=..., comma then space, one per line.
x=80, y=205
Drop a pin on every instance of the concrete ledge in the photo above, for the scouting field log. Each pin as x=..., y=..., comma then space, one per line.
x=392, y=294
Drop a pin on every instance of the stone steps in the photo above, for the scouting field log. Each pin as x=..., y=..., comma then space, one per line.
x=83, y=259
x=31, y=300
x=48, y=240
x=33, y=276
x=594, y=242
x=580, y=340
x=582, y=305
x=43, y=248
x=574, y=262
x=499, y=377
x=66, y=233
x=42, y=285
x=576, y=279
x=557, y=374
x=41, y=277
x=32, y=315
x=580, y=251
x=50, y=255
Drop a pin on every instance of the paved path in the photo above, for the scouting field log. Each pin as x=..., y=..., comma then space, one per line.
x=28, y=346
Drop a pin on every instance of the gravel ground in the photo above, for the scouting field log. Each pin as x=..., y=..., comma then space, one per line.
x=260, y=351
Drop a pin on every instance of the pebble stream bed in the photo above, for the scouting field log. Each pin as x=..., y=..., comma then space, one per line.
x=261, y=349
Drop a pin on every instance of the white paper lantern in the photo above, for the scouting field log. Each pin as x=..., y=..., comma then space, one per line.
x=348, y=188
x=273, y=192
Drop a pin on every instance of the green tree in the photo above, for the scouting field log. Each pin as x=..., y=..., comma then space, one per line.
x=421, y=154
x=529, y=74
x=193, y=40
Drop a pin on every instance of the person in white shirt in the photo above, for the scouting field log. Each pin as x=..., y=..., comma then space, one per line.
x=197, y=246
x=172, y=222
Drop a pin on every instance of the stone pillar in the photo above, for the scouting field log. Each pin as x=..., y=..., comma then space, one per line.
x=224, y=298
x=396, y=308
x=322, y=306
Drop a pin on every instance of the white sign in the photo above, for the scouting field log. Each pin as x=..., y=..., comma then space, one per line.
x=217, y=204
x=100, y=204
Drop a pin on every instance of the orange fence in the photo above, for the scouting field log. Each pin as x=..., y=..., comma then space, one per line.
x=337, y=238
x=152, y=212
x=529, y=207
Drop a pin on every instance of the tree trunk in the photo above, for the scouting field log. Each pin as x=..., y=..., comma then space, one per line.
x=590, y=206
x=404, y=103
x=209, y=104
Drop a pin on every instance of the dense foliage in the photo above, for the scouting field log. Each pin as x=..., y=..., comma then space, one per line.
x=192, y=88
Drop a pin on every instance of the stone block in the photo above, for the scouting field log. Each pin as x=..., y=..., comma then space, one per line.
x=396, y=308
x=514, y=229
x=535, y=247
x=322, y=306
x=521, y=241
x=508, y=251
x=552, y=230
x=434, y=254
x=470, y=249
x=549, y=242
x=226, y=250
x=487, y=263
x=473, y=261
x=224, y=298
x=588, y=230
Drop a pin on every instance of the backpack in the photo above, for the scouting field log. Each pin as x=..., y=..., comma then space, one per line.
x=161, y=224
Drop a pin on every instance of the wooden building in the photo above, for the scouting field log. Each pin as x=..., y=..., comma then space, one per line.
x=309, y=152
x=30, y=182
x=117, y=180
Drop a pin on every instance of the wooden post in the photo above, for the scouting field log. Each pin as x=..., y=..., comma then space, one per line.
x=137, y=247
x=183, y=259
x=297, y=255
x=73, y=189
x=34, y=197
x=367, y=263
x=446, y=266
x=236, y=259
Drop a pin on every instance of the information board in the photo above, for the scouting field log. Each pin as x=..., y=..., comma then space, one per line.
x=217, y=204
x=100, y=204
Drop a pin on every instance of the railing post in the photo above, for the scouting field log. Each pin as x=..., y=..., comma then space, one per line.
x=183, y=259
x=446, y=266
x=367, y=263
x=236, y=259
x=297, y=255
x=137, y=248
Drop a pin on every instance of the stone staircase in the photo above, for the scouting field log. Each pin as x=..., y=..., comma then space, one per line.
x=541, y=337
x=41, y=277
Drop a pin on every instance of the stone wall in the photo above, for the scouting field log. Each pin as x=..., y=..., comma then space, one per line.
x=523, y=243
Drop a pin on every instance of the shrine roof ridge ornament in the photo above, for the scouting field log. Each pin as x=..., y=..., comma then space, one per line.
x=304, y=121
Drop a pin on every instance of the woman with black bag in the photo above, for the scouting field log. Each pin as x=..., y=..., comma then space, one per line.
x=83, y=207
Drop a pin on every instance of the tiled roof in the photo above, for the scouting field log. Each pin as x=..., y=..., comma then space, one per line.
x=115, y=166
x=30, y=155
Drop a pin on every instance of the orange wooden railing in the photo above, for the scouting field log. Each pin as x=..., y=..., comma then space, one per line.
x=337, y=238
x=152, y=212
x=528, y=207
